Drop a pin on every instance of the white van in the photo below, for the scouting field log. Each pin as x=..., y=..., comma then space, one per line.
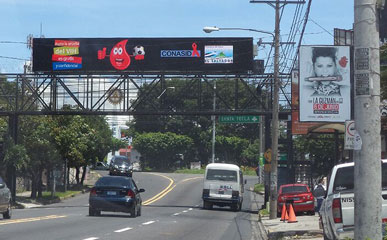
x=223, y=186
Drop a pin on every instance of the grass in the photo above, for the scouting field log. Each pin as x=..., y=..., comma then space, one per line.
x=264, y=212
x=247, y=171
x=47, y=195
x=190, y=171
x=48, y=199
x=259, y=188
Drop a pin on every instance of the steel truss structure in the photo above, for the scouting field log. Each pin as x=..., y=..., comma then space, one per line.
x=137, y=94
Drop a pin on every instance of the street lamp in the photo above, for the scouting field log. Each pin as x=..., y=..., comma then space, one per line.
x=161, y=94
x=214, y=29
x=275, y=120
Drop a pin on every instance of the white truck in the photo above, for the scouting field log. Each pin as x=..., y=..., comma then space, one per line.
x=338, y=208
x=223, y=185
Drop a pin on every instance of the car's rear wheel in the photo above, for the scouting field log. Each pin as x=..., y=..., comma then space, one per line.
x=8, y=213
x=133, y=211
x=207, y=205
x=94, y=212
x=312, y=213
x=236, y=207
x=139, y=211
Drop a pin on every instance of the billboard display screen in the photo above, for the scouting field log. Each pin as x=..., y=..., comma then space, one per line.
x=325, y=84
x=112, y=55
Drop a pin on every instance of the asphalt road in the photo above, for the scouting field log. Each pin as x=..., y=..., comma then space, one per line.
x=172, y=209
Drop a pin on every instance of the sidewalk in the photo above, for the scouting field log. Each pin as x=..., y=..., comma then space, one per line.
x=306, y=227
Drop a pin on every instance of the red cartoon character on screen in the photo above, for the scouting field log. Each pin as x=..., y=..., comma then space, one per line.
x=119, y=57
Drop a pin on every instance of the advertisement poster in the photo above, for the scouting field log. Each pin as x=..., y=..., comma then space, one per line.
x=324, y=88
x=300, y=128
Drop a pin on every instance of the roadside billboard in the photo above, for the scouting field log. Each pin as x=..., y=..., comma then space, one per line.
x=299, y=128
x=120, y=55
x=325, y=83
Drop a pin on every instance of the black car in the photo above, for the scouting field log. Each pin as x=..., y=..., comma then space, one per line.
x=120, y=165
x=5, y=200
x=115, y=194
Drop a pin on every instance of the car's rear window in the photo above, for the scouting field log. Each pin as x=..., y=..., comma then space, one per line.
x=222, y=175
x=120, y=160
x=114, y=181
x=292, y=189
x=344, y=180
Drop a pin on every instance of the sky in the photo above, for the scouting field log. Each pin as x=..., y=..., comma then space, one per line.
x=157, y=18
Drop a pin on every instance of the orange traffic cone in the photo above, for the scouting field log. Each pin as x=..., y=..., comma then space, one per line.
x=284, y=214
x=292, y=215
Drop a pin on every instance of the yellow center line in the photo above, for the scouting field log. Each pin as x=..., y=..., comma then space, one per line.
x=188, y=179
x=23, y=220
x=162, y=193
x=166, y=190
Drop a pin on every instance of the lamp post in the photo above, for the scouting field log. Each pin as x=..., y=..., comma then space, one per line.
x=213, y=125
x=275, y=117
x=161, y=94
x=215, y=29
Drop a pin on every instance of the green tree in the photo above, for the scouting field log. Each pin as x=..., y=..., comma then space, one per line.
x=320, y=150
x=160, y=150
x=35, y=136
x=230, y=149
x=198, y=128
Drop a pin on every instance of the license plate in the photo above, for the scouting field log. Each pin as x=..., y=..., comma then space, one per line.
x=296, y=199
x=111, y=193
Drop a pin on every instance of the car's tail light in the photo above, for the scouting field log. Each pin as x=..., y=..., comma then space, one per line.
x=336, y=210
x=235, y=194
x=93, y=192
x=206, y=192
x=130, y=193
x=309, y=197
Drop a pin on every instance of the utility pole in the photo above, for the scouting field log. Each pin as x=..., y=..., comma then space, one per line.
x=275, y=117
x=213, y=126
x=367, y=153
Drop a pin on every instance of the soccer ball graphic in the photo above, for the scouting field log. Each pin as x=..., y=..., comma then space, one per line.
x=138, y=50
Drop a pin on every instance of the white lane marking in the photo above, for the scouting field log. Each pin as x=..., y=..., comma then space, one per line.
x=147, y=223
x=176, y=214
x=185, y=211
x=91, y=238
x=196, y=205
x=123, y=230
x=190, y=209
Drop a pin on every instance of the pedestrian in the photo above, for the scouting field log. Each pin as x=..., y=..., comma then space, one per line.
x=319, y=193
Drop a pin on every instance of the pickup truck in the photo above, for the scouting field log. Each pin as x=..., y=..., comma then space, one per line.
x=338, y=208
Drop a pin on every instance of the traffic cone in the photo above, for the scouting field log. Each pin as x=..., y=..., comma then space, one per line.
x=284, y=214
x=292, y=215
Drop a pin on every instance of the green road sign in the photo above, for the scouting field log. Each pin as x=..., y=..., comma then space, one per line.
x=239, y=119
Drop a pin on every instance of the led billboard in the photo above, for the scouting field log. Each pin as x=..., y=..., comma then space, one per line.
x=112, y=55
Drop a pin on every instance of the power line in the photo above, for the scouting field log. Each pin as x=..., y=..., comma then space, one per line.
x=13, y=42
x=15, y=58
x=321, y=27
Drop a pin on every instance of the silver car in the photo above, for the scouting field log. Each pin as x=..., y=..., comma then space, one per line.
x=5, y=200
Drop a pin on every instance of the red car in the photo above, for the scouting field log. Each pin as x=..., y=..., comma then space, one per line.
x=298, y=194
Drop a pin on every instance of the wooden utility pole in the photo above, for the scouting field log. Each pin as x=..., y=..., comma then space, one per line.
x=275, y=123
x=367, y=153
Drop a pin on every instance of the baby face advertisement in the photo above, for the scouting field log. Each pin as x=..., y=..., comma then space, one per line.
x=325, y=84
